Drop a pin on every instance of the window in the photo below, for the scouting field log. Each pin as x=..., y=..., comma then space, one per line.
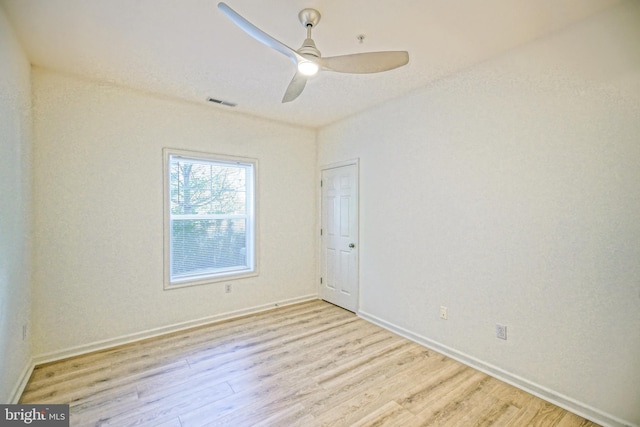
x=210, y=226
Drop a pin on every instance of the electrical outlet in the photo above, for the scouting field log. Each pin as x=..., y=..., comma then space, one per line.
x=443, y=312
x=501, y=331
x=227, y=288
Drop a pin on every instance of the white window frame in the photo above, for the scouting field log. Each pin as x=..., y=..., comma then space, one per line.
x=251, y=221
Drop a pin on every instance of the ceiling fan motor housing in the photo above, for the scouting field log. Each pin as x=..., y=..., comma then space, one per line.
x=309, y=48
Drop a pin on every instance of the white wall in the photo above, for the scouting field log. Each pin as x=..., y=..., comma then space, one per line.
x=510, y=193
x=15, y=211
x=99, y=212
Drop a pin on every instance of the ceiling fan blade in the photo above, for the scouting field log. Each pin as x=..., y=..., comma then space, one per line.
x=258, y=34
x=295, y=87
x=368, y=62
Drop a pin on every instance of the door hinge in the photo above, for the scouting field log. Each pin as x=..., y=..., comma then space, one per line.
x=321, y=280
x=321, y=231
x=320, y=183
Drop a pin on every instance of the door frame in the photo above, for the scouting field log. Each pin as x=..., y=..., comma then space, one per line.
x=351, y=162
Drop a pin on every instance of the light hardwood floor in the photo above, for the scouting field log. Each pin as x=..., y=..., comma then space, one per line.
x=310, y=364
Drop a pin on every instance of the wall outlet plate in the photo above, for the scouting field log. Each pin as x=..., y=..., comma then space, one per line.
x=501, y=331
x=443, y=312
x=227, y=288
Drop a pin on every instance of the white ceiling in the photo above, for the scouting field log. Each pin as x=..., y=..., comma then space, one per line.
x=188, y=49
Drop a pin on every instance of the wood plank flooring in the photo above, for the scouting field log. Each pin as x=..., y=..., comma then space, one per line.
x=310, y=364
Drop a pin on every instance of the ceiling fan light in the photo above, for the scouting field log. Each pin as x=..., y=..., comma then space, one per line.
x=308, y=68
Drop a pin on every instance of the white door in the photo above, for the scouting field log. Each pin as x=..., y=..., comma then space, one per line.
x=339, y=270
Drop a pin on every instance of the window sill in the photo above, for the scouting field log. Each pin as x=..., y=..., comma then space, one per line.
x=187, y=282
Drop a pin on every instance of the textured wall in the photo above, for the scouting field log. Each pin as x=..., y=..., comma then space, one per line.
x=99, y=210
x=15, y=210
x=510, y=194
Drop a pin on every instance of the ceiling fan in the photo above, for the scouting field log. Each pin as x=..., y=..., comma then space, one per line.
x=308, y=59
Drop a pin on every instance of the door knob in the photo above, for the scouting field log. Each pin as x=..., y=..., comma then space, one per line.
x=352, y=245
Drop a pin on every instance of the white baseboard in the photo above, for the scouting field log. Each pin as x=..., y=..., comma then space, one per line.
x=126, y=339
x=542, y=392
x=22, y=381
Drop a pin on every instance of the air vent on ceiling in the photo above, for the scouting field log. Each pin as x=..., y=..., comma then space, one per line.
x=218, y=101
